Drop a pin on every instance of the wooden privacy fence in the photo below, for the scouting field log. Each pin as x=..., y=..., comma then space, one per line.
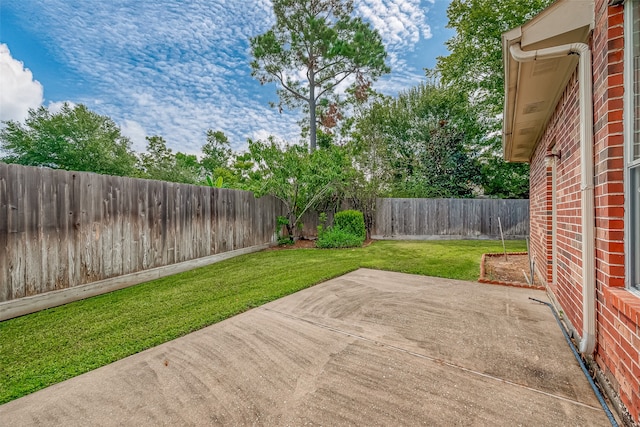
x=60, y=230
x=70, y=235
x=451, y=219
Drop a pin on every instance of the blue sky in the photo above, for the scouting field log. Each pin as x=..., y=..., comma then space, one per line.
x=177, y=68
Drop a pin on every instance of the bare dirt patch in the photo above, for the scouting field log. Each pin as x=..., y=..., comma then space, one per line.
x=298, y=244
x=509, y=270
x=306, y=244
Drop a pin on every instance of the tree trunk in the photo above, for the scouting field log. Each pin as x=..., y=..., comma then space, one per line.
x=312, y=111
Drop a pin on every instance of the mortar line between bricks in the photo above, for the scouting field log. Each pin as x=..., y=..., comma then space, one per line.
x=430, y=358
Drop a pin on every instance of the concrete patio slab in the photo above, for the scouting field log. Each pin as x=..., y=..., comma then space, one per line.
x=367, y=348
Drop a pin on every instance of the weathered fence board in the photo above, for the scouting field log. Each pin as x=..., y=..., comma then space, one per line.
x=450, y=218
x=60, y=229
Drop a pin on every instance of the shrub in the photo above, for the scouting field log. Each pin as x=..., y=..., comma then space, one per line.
x=283, y=240
x=323, y=224
x=352, y=222
x=348, y=231
x=334, y=237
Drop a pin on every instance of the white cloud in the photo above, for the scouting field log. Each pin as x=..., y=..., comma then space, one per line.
x=173, y=70
x=262, y=134
x=56, y=107
x=136, y=133
x=19, y=90
x=177, y=69
x=401, y=23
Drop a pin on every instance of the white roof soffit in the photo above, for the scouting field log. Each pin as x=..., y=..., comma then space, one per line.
x=532, y=89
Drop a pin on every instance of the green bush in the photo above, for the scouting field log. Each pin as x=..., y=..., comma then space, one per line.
x=348, y=231
x=323, y=224
x=334, y=237
x=352, y=222
x=283, y=240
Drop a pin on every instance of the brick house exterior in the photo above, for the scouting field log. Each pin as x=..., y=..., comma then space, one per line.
x=542, y=71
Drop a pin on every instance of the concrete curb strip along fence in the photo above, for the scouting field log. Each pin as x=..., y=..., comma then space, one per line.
x=31, y=304
x=63, y=230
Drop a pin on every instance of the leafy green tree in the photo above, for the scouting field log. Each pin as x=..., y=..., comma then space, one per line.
x=75, y=138
x=301, y=180
x=439, y=167
x=370, y=154
x=505, y=180
x=324, y=40
x=420, y=143
x=188, y=169
x=216, y=151
x=475, y=66
x=242, y=173
x=159, y=162
x=217, y=155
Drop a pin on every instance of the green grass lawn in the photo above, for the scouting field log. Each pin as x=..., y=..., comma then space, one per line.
x=53, y=345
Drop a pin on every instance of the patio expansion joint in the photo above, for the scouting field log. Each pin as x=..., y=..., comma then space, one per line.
x=432, y=359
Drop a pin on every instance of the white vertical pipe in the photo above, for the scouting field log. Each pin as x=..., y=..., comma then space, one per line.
x=588, y=341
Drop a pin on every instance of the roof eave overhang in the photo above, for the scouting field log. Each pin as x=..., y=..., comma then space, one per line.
x=532, y=89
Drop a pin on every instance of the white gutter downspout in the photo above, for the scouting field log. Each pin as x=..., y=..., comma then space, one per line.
x=588, y=341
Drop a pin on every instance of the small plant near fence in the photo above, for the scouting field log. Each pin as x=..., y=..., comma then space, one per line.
x=283, y=239
x=218, y=183
x=348, y=230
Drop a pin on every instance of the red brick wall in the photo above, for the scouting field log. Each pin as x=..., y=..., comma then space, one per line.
x=618, y=317
x=538, y=212
x=563, y=130
x=618, y=310
x=608, y=91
